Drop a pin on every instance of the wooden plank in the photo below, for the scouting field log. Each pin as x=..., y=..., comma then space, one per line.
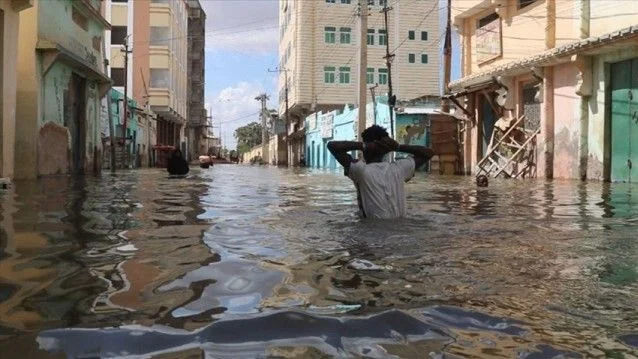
x=517, y=152
x=498, y=143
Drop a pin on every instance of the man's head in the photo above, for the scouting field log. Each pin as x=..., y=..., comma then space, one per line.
x=370, y=135
x=481, y=181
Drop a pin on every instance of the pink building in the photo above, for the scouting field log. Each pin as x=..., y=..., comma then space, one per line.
x=571, y=67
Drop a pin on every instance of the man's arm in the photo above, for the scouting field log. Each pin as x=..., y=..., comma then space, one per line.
x=340, y=149
x=421, y=153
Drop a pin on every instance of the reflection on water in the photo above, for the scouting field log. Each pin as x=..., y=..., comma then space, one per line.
x=248, y=262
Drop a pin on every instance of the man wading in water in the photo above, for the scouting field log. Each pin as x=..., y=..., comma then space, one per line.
x=380, y=184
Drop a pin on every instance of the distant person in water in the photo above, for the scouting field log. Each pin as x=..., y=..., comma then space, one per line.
x=380, y=184
x=177, y=164
x=481, y=181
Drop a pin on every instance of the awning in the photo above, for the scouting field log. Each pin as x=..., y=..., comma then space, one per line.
x=54, y=52
x=550, y=57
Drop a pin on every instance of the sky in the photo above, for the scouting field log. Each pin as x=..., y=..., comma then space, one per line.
x=241, y=47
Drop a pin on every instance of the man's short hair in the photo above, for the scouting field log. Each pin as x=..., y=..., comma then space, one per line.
x=374, y=133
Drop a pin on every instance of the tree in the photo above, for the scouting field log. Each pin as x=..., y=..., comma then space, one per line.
x=248, y=137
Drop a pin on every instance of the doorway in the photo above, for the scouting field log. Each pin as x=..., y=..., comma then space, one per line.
x=77, y=122
x=624, y=121
x=488, y=119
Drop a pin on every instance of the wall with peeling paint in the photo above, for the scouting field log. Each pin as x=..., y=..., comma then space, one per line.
x=56, y=24
x=566, y=122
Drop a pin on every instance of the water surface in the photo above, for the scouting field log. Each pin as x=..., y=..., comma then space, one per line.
x=239, y=261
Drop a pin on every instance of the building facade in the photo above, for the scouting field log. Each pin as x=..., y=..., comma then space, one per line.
x=62, y=82
x=575, y=82
x=9, y=35
x=197, y=114
x=156, y=32
x=319, y=56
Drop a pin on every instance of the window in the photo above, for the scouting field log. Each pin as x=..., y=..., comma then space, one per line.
x=160, y=35
x=344, y=75
x=330, y=1
x=411, y=35
x=160, y=78
x=424, y=58
x=370, y=37
x=117, y=74
x=383, y=37
x=411, y=58
x=370, y=76
x=383, y=76
x=79, y=19
x=525, y=3
x=345, y=1
x=486, y=20
x=344, y=33
x=118, y=35
x=371, y=2
x=119, y=0
x=424, y=35
x=383, y=3
x=330, y=34
x=329, y=74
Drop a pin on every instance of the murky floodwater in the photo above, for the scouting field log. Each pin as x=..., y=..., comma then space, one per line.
x=254, y=262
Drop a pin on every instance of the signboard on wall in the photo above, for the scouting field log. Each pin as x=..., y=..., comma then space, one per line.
x=489, y=41
x=312, y=122
x=326, y=125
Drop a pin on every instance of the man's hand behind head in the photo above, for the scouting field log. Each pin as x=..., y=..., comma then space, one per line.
x=388, y=144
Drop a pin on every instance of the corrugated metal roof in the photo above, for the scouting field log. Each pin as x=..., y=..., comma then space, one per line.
x=547, y=57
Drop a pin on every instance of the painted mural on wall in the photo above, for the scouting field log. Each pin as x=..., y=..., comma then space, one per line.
x=412, y=129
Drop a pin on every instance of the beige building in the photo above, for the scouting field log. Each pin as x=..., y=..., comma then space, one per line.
x=564, y=65
x=9, y=31
x=157, y=34
x=319, y=49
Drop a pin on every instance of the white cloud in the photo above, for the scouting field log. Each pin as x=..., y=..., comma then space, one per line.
x=245, y=26
x=235, y=106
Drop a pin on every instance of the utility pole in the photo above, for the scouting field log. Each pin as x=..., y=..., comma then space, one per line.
x=109, y=112
x=388, y=61
x=447, y=57
x=264, y=131
x=285, y=71
x=374, y=101
x=363, y=64
x=126, y=51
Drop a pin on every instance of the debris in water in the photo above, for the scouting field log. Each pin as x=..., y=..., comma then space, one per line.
x=362, y=264
x=127, y=248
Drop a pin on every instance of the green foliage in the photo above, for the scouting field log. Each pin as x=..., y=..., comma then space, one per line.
x=248, y=136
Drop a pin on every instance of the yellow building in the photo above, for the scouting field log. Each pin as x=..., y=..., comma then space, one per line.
x=563, y=65
x=9, y=31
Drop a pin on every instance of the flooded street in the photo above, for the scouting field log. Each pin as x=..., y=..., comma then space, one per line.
x=239, y=261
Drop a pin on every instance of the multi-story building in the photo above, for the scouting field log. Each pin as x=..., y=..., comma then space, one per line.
x=319, y=56
x=197, y=119
x=156, y=32
x=570, y=67
x=61, y=83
